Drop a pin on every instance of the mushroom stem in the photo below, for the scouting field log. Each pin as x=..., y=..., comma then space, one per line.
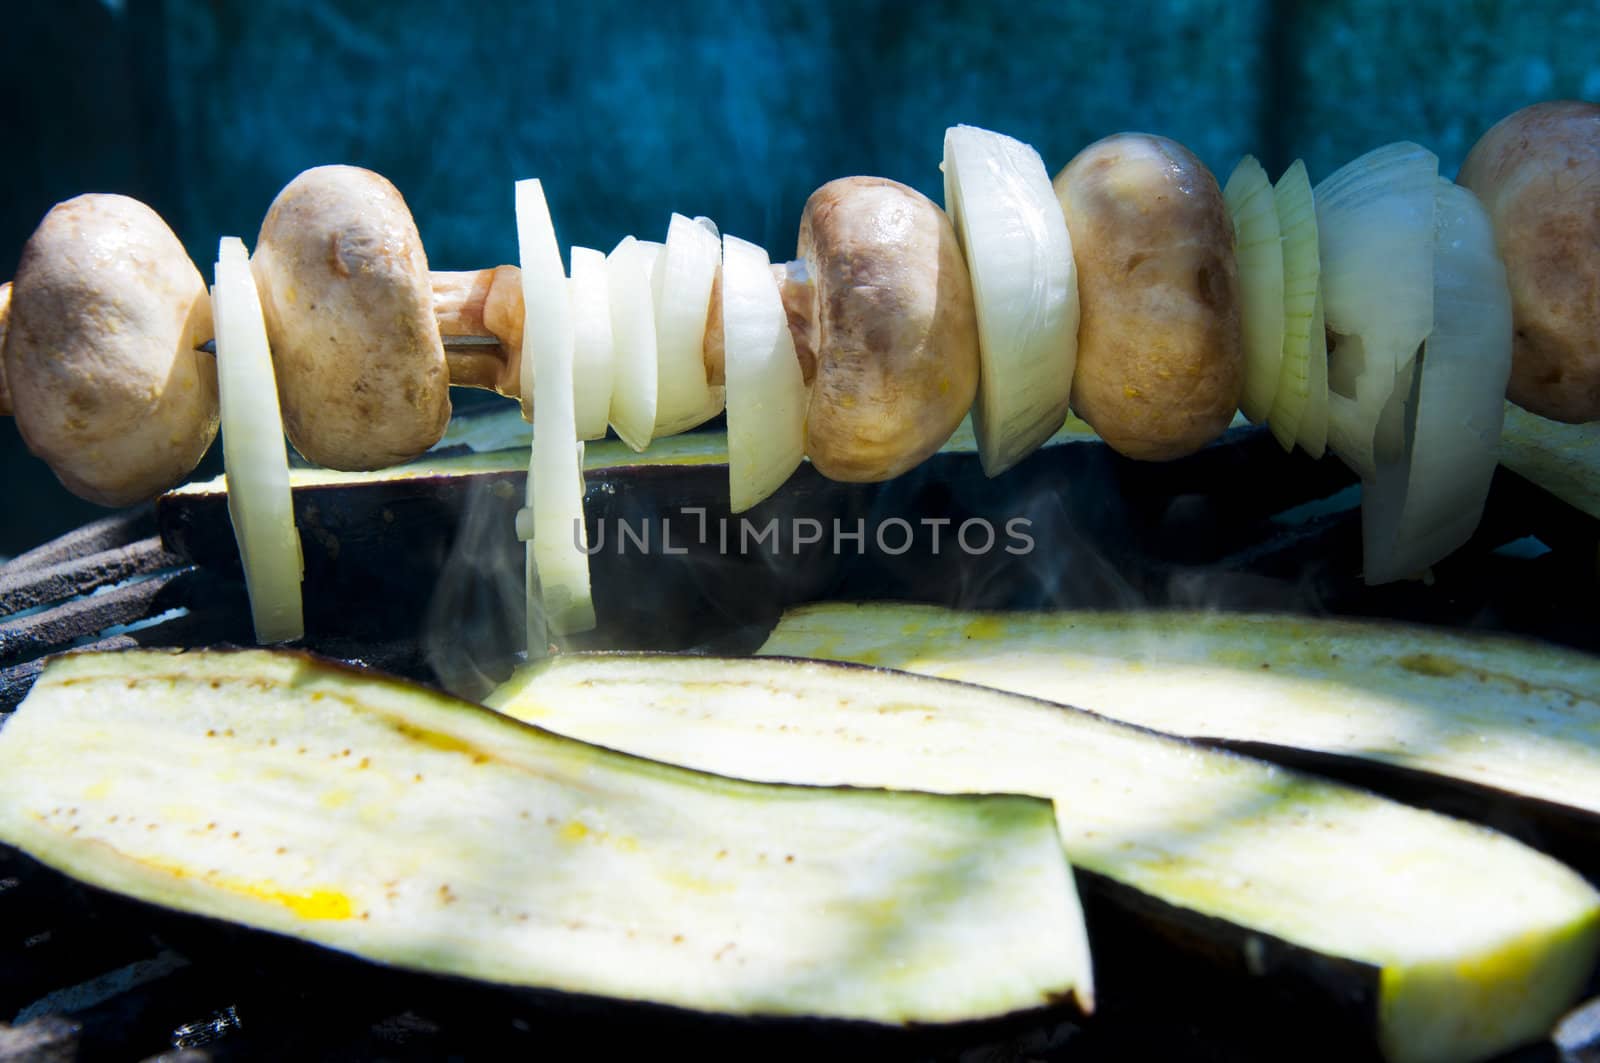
x=487, y=304
x=481, y=303
x=5, y=318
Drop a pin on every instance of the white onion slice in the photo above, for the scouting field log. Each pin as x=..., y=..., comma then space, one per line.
x=1427, y=502
x=633, y=333
x=1375, y=226
x=559, y=562
x=1024, y=289
x=1313, y=434
x=1254, y=208
x=1297, y=224
x=593, y=353
x=254, y=454
x=682, y=279
x=767, y=395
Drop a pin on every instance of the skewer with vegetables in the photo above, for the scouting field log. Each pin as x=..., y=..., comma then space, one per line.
x=898, y=316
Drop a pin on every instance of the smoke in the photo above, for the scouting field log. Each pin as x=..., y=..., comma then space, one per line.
x=474, y=631
x=1072, y=527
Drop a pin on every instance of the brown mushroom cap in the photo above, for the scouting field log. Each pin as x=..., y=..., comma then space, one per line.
x=1538, y=175
x=1160, y=365
x=107, y=387
x=895, y=333
x=348, y=303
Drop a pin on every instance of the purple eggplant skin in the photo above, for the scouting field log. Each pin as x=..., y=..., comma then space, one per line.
x=375, y=553
x=381, y=546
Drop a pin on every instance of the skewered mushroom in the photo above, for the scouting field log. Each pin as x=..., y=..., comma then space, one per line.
x=891, y=323
x=98, y=335
x=348, y=303
x=1538, y=175
x=100, y=360
x=880, y=307
x=1160, y=366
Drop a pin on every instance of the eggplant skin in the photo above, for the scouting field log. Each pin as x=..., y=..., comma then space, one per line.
x=1261, y=997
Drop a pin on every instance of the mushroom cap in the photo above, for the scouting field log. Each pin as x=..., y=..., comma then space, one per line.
x=106, y=385
x=348, y=304
x=896, y=334
x=1538, y=175
x=1160, y=361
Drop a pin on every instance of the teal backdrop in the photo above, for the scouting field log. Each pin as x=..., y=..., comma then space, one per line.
x=632, y=109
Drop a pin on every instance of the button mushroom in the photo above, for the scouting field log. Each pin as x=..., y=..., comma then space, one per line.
x=891, y=325
x=348, y=303
x=1538, y=175
x=1160, y=365
x=79, y=298
x=99, y=353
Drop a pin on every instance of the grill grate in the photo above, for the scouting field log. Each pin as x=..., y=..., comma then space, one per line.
x=1239, y=525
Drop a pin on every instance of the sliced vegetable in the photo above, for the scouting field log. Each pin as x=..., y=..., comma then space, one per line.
x=681, y=286
x=594, y=355
x=1426, y=500
x=766, y=393
x=254, y=453
x=1517, y=725
x=388, y=820
x=1160, y=362
x=190, y=516
x=1375, y=229
x=558, y=564
x=1260, y=253
x=633, y=331
x=1313, y=434
x=1459, y=942
x=1305, y=350
x=1024, y=290
x=1564, y=459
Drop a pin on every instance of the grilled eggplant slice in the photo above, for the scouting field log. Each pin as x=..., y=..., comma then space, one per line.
x=1564, y=459
x=723, y=579
x=389, y=821
x=1205, y=873
x=1503, y=732
x=395, y=535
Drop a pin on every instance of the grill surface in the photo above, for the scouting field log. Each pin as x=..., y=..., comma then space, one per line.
x=1238, y=526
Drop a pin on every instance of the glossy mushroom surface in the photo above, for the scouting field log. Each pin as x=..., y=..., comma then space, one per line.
x=100, y=360
x=1160, y=363
x=892, y=326
x=348, y=303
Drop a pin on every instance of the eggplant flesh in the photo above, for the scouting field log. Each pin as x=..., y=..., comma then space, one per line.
x=1563, y=459
x=398, y=824
x=1496, y=730
x=1445, y=940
